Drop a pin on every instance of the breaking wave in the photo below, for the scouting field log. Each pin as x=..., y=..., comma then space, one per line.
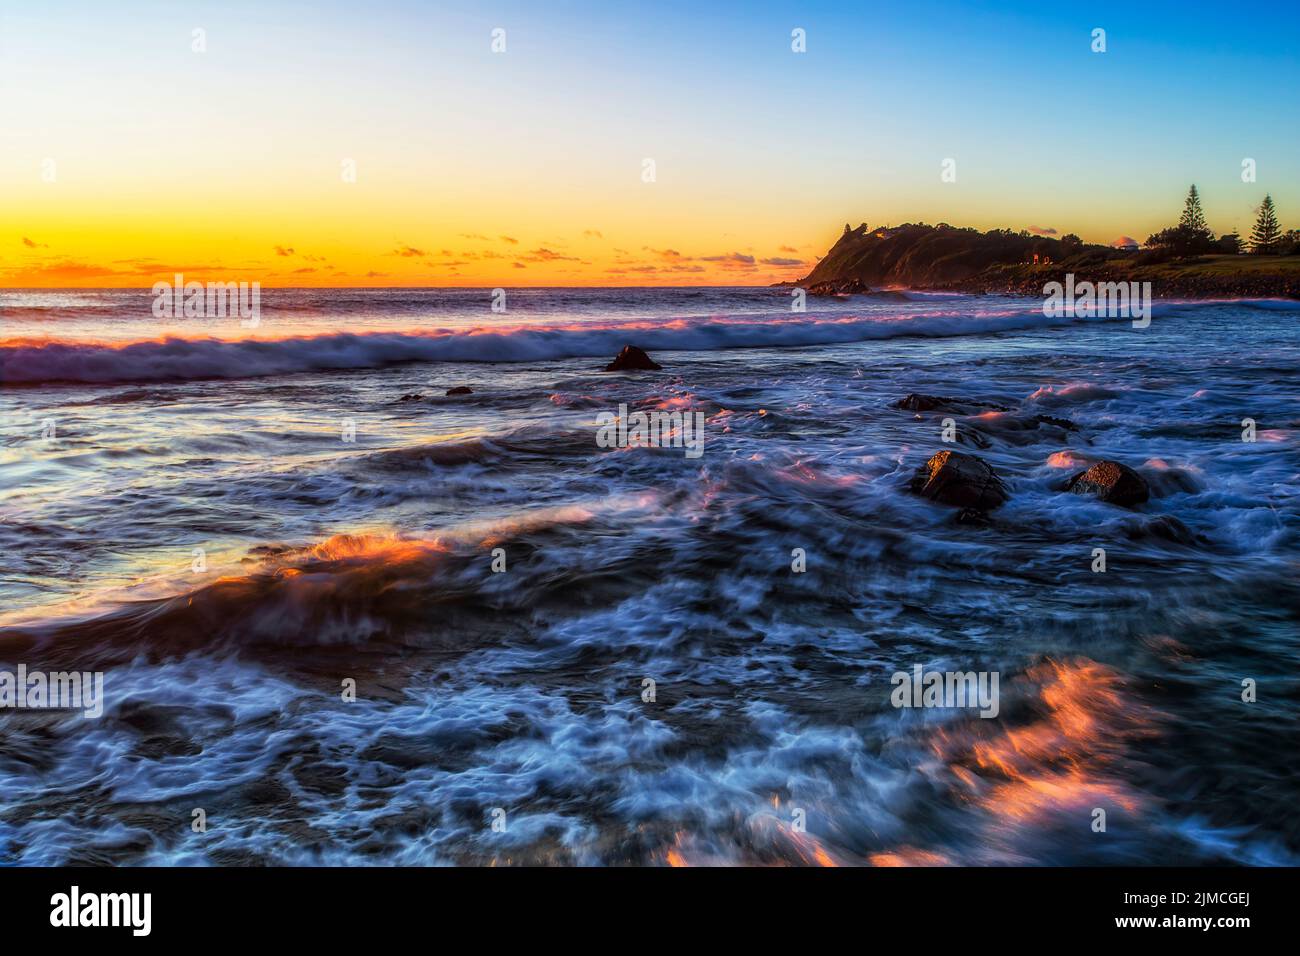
x=36, y=361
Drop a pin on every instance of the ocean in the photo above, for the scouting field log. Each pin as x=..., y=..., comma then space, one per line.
x=345, y=618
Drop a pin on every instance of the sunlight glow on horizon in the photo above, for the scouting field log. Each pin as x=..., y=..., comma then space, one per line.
x=524, y=168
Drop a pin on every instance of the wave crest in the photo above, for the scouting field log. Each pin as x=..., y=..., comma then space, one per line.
x=38, y=361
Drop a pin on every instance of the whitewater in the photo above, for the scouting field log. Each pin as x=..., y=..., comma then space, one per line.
x=181, y=510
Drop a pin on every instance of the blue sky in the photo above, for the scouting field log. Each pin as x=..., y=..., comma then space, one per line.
x=758, y=149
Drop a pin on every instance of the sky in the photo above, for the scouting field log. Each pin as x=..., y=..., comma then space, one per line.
x=128, y=154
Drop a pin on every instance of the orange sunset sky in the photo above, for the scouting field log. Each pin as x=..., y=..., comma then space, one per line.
x=128, y=153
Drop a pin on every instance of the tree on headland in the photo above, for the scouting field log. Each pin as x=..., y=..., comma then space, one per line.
x=1191, y=236
x=1193, y=218
x=1231, y=243
x=1264, y=237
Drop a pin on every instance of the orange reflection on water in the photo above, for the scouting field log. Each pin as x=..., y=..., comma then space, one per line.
x=909, y=856
x=1067, y=758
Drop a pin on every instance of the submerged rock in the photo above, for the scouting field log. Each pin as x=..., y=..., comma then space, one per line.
x=632, y=358
x=1165, y=527
x=973, y=436
x=955, y=478
x=919, y=402
x=1064, y=423
x=916, y=402
x=411, y=397
x=1111, y=482
x=460, y=390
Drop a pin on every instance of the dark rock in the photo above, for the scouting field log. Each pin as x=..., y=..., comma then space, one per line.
x=1172, y=480
x=839, y=287
x=266, y=792
x=916, y=402
x=955, y=478
x=632, y=358
x=460, y=390
x=411, y=397
x=973, y=436
x=149, y=719
x=1111, y=482
x=1165, y=527
x=1065, y=423
x=1015, y=428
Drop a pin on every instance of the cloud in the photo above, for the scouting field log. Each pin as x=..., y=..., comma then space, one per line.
x=732, y=260
x=510, y=239
x=291, y=251
x=520, y=265
x=71, y=270
x=476, y=236
x=304, y=269
x=782, y=262
x=1042, y=230
x=548, y=255
x=1124, y=242
x=671, y=255
x=592, y=234
x=34, y=245
x=408, y=252
x=787, y=249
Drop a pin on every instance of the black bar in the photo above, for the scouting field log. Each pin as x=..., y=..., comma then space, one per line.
x=330, y=906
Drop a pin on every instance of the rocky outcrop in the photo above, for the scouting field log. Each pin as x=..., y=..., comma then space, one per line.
x=1003, y=261
x=919, y=402
x=460, y=390
x=839, y=287
x=632, y=359
x=965, y=481
x=1111, y=482
x=916, y=402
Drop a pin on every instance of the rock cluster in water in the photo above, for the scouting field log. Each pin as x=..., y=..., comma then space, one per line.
x=1111, y=482
x=632, y=359
x=956, y=478
x=971, y=484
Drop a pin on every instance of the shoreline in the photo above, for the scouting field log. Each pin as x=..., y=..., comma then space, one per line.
x=1029, y=282
x=1164, y=284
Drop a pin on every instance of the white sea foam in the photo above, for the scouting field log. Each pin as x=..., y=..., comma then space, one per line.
x=177, y=358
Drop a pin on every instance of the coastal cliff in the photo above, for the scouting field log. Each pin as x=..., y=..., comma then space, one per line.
x=948, y=258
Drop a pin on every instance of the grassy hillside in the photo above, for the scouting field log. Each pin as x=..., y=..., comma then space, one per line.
x=945, y=257
x=1228, y=276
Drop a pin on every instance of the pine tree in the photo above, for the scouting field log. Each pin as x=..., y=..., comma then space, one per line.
x=1264, y=237
x=1193, y=218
